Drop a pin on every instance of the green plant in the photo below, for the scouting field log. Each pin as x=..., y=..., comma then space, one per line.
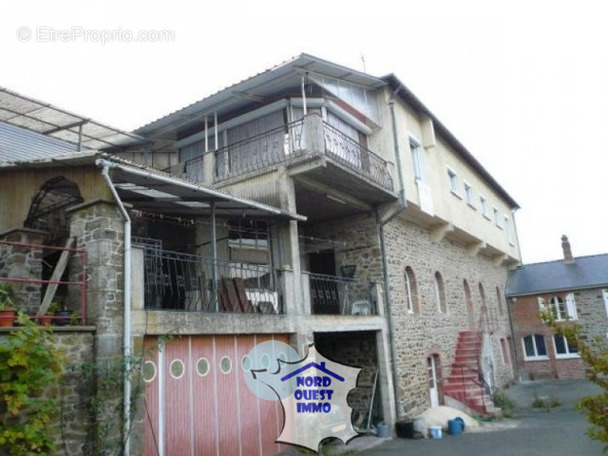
x=505, y=403
x=6, y=296
x=29, y=367
x=53, y=308
x=594, y=353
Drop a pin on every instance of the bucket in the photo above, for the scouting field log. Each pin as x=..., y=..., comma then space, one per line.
x=383, y=430
x=455, y=426
x=435, y=432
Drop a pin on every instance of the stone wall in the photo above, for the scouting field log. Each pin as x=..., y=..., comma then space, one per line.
x=73, y=430
x=357, y=349
x=23, y=262
x=427, y=331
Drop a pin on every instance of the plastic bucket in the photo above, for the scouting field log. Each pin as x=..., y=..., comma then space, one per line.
x=435, y=432
x=383, y=430
x=455, y=426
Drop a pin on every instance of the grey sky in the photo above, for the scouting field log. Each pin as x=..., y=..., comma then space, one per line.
x=522, y=84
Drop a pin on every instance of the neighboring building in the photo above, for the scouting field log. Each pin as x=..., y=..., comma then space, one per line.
x=309, y=203
x=573, y=289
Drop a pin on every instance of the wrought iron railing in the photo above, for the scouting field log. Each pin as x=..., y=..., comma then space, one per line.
x=340, y=296
x=185, y=282
x=356, y=157
x=285, y=142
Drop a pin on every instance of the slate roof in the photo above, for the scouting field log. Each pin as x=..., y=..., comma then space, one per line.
x=584, y=273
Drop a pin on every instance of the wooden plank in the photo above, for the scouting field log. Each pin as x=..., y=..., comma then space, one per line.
x=57, y=273
x=239, y=286
x=232, y=296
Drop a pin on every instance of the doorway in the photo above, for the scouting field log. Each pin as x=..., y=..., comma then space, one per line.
x=432, y=365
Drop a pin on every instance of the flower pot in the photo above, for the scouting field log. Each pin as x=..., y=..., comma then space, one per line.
x=63, y=317
x=45, y=320
x=7, y=318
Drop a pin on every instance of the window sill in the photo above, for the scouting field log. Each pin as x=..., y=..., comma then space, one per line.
x=570, y=356
x=456, y=194
x=472, y=206
x=537, y=358
x=487, y=217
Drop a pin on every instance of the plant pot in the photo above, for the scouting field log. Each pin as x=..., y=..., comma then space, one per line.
x=63, y=317
x=7, y=318
x=45, y=320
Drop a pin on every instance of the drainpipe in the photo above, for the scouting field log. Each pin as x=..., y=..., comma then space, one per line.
x=106, y=165
x=381, y=224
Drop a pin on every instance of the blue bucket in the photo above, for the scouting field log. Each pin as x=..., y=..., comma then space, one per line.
x=456, y=426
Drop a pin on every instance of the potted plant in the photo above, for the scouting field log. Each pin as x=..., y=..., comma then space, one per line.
x=47, y=318
x=7, y=306
x=64, y=316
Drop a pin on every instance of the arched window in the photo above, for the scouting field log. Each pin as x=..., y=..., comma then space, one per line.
x=469, y=301
x=482, y=296
x=440, y=292
x=499, y=300
x=411, y=291
x=563, y=310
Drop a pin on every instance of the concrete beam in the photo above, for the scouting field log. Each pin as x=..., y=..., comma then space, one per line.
x=476, y=247
x=324, y=189
x=499, y=259
x=438, y=232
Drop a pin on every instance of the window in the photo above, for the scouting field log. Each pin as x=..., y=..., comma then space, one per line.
x=483, y=202
x=453, y=180
x=509, y=229
x=440, y=293
x=468, y=193
x=411, y=291
x=504, y=351
x=605, y=296
x=534, y=347
x=563, y=310
x=563, y=348
x=497, y=220
x=499, y=300
x=417, y=159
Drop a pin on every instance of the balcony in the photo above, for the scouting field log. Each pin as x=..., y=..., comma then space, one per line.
x=333, y=295
x=312, y=150
x=184, y=282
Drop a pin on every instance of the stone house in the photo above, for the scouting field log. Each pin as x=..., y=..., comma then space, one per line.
x=310, y=203
x=573, y=289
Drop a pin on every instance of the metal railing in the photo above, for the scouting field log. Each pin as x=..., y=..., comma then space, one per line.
x=335, y=295
x=356, y=157
x=30, y=271
x=186, y=282
x=285, y=142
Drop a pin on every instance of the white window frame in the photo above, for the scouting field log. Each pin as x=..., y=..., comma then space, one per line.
x=417, y=156
x=496, y=214
x=605, y=296
x=504, y=351
x=569, y=307
x=536, y=356
x=568, y=354
x=483, y=202
x=440, y=293
x=468, y=194
x=509, y=230
x=453, y=182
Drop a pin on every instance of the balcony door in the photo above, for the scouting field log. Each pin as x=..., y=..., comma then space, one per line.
x=323, y=292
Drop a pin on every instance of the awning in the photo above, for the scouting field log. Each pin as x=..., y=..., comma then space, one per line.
x=148, y=189
x=49, y=120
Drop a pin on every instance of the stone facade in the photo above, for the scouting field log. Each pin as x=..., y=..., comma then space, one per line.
x=23, y=262
x=427, y=331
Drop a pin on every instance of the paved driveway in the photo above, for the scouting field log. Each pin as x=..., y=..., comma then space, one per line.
x=530, y=432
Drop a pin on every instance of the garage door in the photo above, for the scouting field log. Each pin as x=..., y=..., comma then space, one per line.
x=197, y=402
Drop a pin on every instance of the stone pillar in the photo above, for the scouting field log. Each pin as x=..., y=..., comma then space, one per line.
x=98, y=228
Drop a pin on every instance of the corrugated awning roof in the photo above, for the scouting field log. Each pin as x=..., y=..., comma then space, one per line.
x=49, y=120
x=149, y=189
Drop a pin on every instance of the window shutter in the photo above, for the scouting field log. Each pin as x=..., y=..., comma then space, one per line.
x=571, y=307
x=542, y=305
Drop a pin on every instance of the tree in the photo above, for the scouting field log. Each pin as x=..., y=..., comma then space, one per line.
x=594, y=353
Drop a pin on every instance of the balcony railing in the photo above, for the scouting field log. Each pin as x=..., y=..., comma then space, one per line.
x=185, y=282
x=286, y=142
x=340, y=296
x=356, y=157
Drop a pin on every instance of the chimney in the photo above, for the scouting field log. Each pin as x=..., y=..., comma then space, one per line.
x=568, y=258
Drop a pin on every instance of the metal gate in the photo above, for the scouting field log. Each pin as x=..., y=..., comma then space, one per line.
x=197, y=401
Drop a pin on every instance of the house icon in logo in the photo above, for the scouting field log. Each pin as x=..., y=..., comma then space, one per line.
x=321, y=367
